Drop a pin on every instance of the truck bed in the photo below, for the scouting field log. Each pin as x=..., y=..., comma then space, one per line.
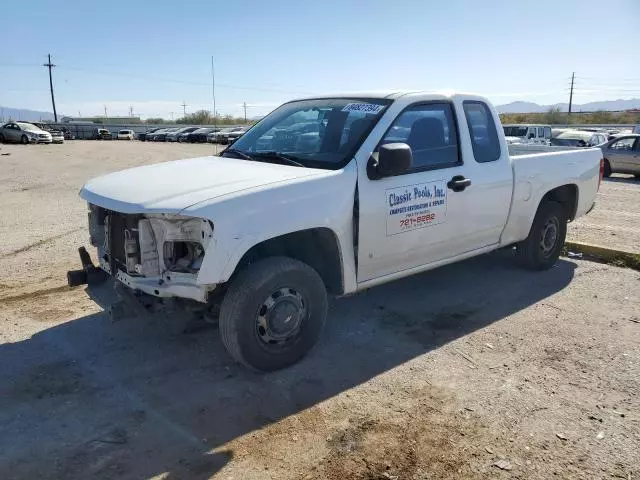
x=537, y=173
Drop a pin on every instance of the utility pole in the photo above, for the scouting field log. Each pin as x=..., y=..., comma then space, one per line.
x=213, y=92
x=171, y=113
x=105, y=115
x=53, y=100
x=244, y=105
x=573, y=75
x=131, y=110
x=184, y=108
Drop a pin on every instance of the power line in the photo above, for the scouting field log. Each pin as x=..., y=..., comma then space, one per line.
x=53, y=100
x=185, y=82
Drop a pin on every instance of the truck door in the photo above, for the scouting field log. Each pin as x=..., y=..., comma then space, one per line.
x=446, y=204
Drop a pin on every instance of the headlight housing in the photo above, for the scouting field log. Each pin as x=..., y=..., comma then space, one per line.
x=174, y=244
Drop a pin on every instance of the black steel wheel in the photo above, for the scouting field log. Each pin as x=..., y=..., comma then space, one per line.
x=541, y=249
x=273, y=313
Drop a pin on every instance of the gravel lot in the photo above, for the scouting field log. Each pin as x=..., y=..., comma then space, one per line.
x=615, y=220
x=475, y=370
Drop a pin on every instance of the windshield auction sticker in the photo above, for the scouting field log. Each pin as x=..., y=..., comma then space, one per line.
x=363, y=107
x=416, y=206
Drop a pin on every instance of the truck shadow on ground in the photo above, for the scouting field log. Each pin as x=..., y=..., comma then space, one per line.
x=138, y=398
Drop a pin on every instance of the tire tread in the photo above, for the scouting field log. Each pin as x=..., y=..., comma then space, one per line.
x=244, y=286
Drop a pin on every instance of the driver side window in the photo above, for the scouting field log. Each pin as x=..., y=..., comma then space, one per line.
x=430, y=131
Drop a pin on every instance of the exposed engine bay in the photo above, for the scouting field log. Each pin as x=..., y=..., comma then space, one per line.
x=152, y=251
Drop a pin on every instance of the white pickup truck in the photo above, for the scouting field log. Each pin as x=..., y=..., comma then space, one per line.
x=331, y=194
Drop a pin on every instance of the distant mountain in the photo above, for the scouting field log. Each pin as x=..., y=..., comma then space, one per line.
x=521, y=107
x=16, y=114
x=609, y=105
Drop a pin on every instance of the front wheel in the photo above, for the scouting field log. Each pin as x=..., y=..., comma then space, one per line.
x=273, y=313
x=24, y=140
x=541, y=249
x=607, y=169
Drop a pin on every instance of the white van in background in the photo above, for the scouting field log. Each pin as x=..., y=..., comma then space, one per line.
x=527, y=134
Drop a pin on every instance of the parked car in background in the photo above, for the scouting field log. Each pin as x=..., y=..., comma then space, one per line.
x=227, y=135
x=151, y=137
x=200, y=135
x=67, y=134
x=22, y=132
x=185, y=136
x=526, y=134
x=622, y=155
x=236, y=134
x=143, y=136
x=636, y=129
x=161, y=136
x=125, y=135
x=103, y=134
x=211, y=136
x=578, y=138
x=57, y=136
x=175, y=136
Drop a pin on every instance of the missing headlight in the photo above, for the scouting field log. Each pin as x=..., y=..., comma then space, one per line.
x=185, y=257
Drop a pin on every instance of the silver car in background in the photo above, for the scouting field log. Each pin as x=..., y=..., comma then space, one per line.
x=622, y=155
x=22, y=132
x=578, y=138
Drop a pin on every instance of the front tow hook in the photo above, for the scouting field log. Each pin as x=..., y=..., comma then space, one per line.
x=88, y=275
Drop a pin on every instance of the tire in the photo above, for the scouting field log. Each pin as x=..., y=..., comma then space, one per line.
x=285, y=288
x=24, y=140
x=637, y=176
x=607, y=168
x=2, y=140
x=541, y=249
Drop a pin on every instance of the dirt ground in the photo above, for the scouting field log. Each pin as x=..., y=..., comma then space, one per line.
x=615, y=220
x=475, y=370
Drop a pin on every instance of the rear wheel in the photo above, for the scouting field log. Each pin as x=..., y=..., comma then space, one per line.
x=273, y=313
x=24, y=140
x=607, y=168
x=2, y=140
x=541, y=249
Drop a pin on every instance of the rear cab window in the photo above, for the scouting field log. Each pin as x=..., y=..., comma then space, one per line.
x=482, y=130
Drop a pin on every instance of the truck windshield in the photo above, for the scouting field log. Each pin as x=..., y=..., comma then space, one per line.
x=319, y=133
x=515, y=131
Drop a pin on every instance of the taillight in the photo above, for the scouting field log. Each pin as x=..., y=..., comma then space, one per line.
x=601, y=172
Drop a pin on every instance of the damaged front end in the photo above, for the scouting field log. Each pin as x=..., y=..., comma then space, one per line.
x=157, y=254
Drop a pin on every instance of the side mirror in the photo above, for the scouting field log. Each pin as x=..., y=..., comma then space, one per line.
x=393, y=159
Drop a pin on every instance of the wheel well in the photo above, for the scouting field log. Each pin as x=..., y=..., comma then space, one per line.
x=317, y=247
x=567, y=196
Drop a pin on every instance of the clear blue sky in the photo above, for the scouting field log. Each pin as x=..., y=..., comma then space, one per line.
x=155, y=55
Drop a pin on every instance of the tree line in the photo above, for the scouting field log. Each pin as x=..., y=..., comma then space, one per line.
x=555, y=117
x=202, y=117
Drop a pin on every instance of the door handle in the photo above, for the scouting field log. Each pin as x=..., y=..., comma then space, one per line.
x=458, y=183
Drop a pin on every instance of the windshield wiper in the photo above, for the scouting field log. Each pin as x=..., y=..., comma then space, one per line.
x=239, y=153
x=289, y=159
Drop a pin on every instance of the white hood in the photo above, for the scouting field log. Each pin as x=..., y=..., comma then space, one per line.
x=173, y=186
